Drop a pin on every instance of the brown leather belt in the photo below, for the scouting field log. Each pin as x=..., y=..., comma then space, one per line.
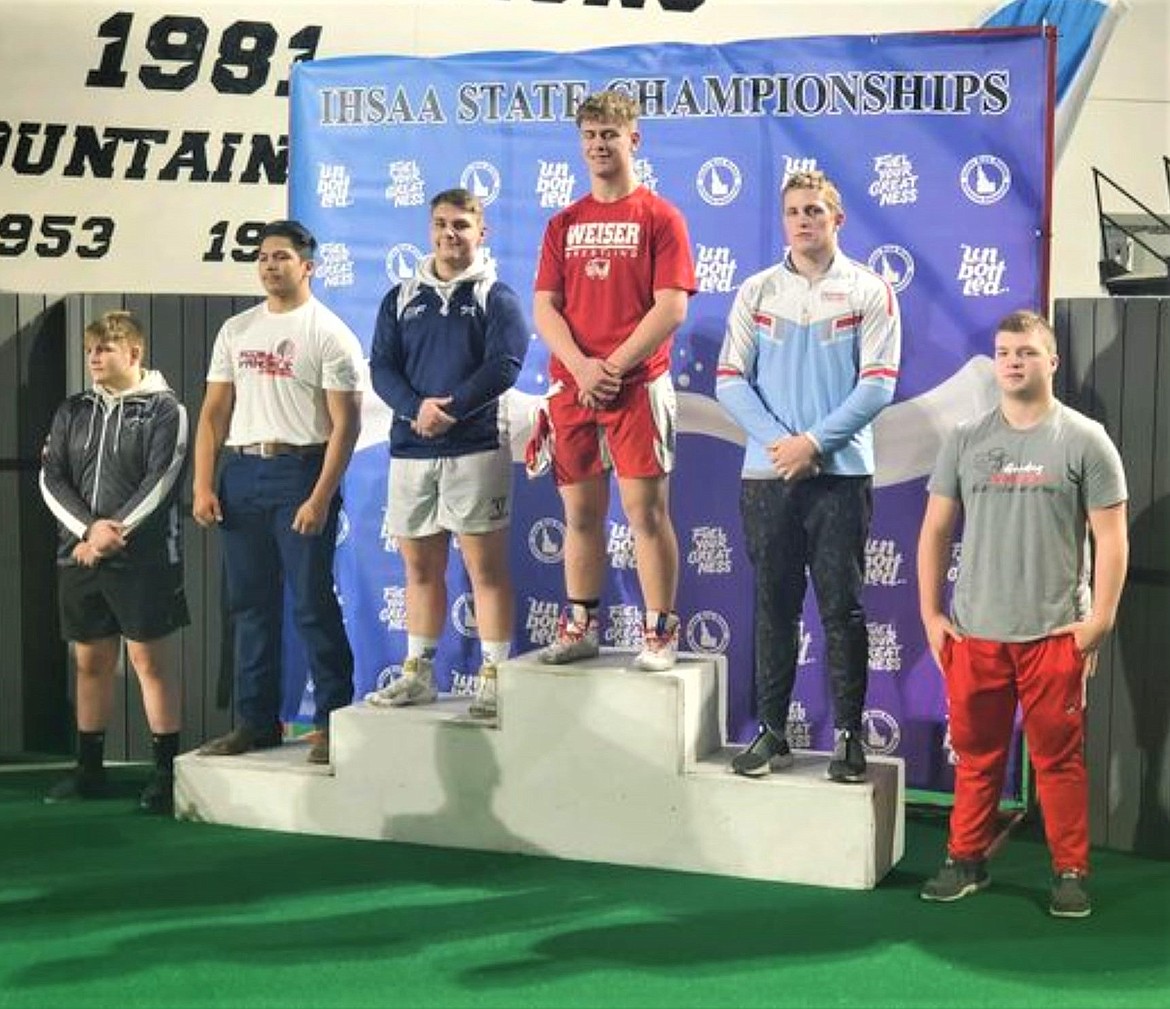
x=269, y=449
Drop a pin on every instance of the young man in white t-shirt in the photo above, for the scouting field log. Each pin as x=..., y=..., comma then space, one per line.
x=283, y=403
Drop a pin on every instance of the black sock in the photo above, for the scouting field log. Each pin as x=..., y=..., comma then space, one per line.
x=166, y=747
x=90, y=751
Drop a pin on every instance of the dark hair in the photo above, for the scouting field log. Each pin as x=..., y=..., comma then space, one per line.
x=1025, y=321
x=301, y=238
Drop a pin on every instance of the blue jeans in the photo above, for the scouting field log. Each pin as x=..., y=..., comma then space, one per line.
x=818, y=527
x=259, y=498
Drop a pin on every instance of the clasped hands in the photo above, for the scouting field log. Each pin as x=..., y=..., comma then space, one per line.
x=598, y=383
x=432, y=420
x=795, y=457
x=103, y=539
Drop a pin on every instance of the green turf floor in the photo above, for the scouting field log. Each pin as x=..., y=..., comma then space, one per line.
x=100, y=906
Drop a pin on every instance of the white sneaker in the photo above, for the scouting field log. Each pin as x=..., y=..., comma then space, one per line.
x=573, y=641
x=484, y=705
x=660, y=650
x=416, y=685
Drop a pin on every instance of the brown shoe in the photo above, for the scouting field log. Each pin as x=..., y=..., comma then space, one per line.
x=318, y=746
x=240, y=740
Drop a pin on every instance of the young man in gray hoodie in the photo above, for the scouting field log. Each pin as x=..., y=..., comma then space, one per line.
x=109, y=474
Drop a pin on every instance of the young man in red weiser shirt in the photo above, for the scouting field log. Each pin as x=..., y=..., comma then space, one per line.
x=612, y=287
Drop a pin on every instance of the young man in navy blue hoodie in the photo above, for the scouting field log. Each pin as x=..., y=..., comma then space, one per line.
x=449, y=344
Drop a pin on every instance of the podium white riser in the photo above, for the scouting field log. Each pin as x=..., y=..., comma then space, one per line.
x=593, y=761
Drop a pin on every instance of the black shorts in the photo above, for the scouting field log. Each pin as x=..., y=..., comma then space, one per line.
x=139, y=603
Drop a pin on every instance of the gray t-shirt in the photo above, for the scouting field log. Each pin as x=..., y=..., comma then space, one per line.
x=1024, y=564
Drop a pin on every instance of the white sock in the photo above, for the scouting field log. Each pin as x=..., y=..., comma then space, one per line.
x=495, y=652
x=418, y=647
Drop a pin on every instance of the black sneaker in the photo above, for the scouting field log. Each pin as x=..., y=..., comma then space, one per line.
x=1069, y=898
x=158, y=797
x=767, y=752
x=848, y=760
x=79, y=785
x=958, y=878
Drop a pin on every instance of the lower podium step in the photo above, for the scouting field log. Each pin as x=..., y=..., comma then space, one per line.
x=593, y=761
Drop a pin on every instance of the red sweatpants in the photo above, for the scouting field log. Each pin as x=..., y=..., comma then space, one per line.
x=984, y=681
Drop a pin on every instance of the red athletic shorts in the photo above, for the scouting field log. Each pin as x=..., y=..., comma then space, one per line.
x=634, y=436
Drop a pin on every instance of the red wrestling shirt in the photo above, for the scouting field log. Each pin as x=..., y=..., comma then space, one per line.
x=607, y=260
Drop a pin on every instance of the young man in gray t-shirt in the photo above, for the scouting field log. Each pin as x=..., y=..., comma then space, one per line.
x=1031, y=479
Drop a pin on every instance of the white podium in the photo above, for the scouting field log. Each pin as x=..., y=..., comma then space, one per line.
x=593, y=761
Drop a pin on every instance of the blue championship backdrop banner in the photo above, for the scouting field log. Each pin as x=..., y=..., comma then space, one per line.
x=940, y=144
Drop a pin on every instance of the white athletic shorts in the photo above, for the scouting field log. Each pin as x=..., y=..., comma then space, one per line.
x=461, y=494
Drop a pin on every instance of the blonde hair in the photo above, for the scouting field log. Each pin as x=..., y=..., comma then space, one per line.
x=817, y=181
x=116, y=327
x=608, y=107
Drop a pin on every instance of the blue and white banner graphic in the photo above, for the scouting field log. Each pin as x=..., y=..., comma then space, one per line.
x=941, y=146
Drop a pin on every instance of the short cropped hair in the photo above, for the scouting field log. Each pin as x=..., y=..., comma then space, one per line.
x=1026, y=321
x=817, y=181
x=299, y=236
x=608, y=107
x=459, y=197
x=116, y=327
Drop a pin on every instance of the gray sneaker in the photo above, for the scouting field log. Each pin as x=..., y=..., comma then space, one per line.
x=574, y=641
x=958, y=878
x=768, y=752
x=485, y=706
x=416, y=685
x=1069, y=898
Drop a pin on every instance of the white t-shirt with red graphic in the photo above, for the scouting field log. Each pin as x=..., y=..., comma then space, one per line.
x=281, y=364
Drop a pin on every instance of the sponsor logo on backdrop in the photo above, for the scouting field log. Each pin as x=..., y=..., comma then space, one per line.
x=804, y=654
x=621, y=547
x=881, y=732
x=334, y=265
x=463, y=616
x=407, y=186
x=540, y=622
x=546, y=540
x=793, y=165
x=644, y=172
x=883, y=563
x=981, y=271
x=709, y=632
x=894, y=265
x=714, y=268
x=799, y=728
x=401, y=261
x=719, y=181
x=985, y=179
x=333, y=182
x=463, y=684
x=885, y=650
x=482, y=179
x=895, y=181
x=554, y=183
x=710, y=551
x=393, y=612
x=623, y=626
x=948, y=748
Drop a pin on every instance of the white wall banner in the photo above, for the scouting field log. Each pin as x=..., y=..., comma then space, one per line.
x=143, y=144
